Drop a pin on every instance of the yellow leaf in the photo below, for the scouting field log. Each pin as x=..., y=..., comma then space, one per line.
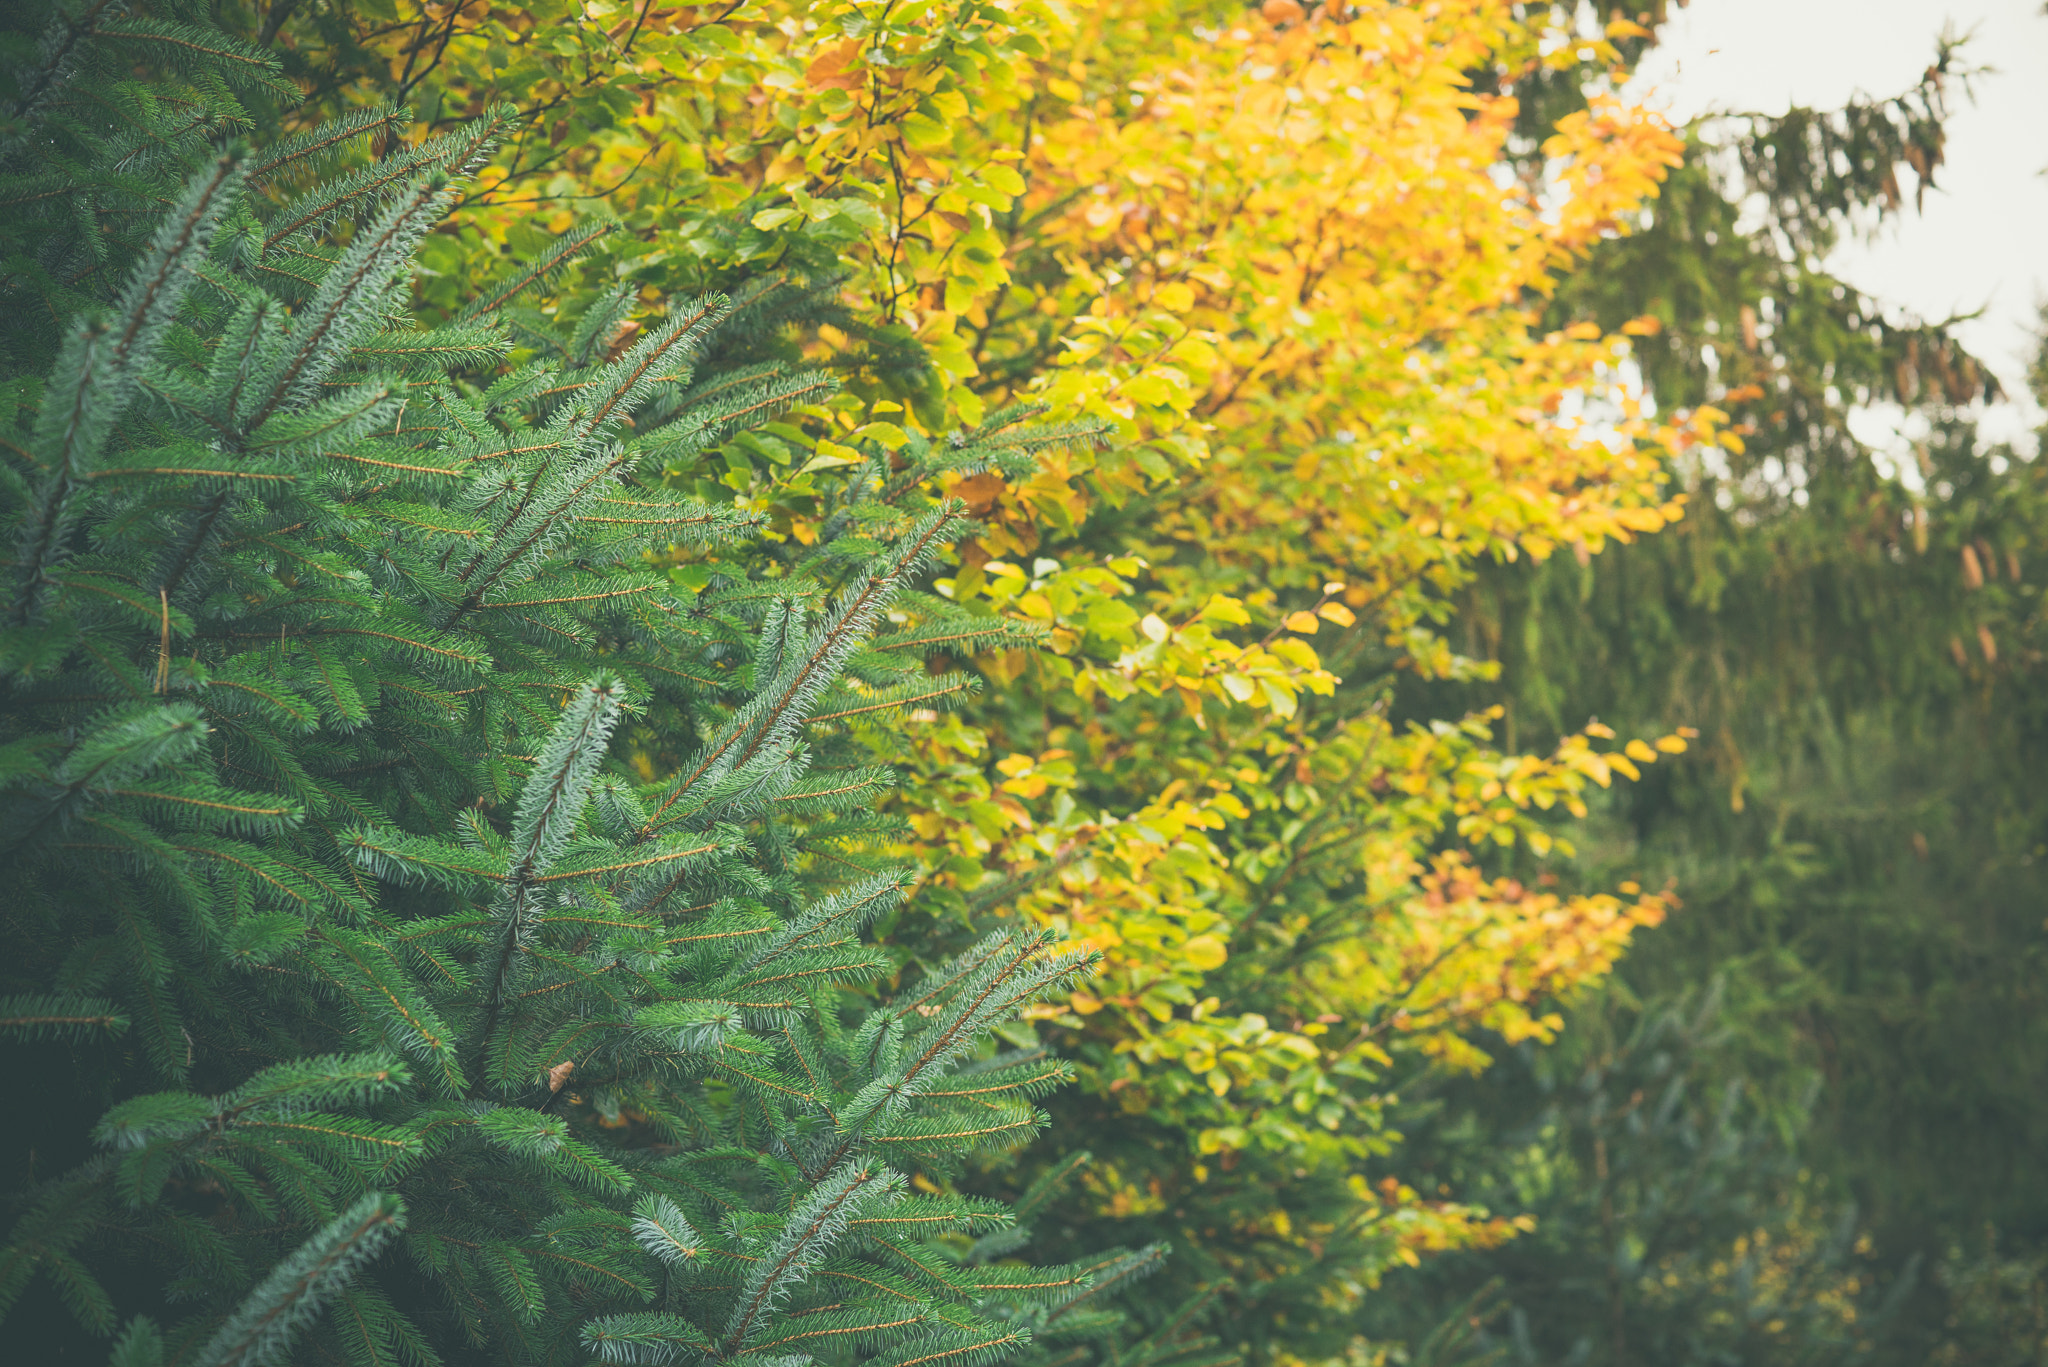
x=1640, y=753
x=830, y=454
x=1336, y=612
x=1296, y=652
x=887, y=434
x=925, y=133
x=1279, y=696
x=1221, y=607
x=1303, y=622
x=1205, y=952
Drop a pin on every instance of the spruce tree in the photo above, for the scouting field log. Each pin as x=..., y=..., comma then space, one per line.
x=376, y=1009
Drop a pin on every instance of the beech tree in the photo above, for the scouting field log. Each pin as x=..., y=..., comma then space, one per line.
x=1267, y=253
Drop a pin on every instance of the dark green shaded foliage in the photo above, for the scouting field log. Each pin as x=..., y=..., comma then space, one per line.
x=1673, y=1224
x=1856, y=834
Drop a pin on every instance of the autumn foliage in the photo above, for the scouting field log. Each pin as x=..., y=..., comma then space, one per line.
x=1279, y=273
x=1289, y=263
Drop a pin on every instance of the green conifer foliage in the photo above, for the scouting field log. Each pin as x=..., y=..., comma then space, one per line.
x=418, y=1029
x=1080, y=1324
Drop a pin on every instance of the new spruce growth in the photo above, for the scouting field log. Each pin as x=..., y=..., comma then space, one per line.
x=417, y=1027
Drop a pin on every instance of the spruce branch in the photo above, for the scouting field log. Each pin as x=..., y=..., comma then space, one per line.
x=280, y=1308
x=808, y=1235
x=58, y=1016
x=345, y=304
x=661, y=1228
x=316, y=144
x=541, y=269
x=775, y=716
x=548, y=811
x=99, y=367
x=190, y=47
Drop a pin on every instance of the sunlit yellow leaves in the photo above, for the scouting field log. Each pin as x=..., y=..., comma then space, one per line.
x=1278, y=259
x=1535, y=944
x=1313, y=200
x=1438, y=949
x=1287, y=263
x=886, y=137
x=1029, y=778
x=1116, y=653
x=1225, y=609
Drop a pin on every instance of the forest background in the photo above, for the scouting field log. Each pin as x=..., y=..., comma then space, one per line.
x=1555, y=815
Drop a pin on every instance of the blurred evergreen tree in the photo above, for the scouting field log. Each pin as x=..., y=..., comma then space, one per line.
x=1807, y=1173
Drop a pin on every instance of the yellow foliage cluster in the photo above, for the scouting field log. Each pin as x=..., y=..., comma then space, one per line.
x=1282, y=259
x=1297, y=236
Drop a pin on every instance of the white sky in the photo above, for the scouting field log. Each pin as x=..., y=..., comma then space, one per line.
x=1982, y=240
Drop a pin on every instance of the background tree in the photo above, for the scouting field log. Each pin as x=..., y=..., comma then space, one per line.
x=1855, y=841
